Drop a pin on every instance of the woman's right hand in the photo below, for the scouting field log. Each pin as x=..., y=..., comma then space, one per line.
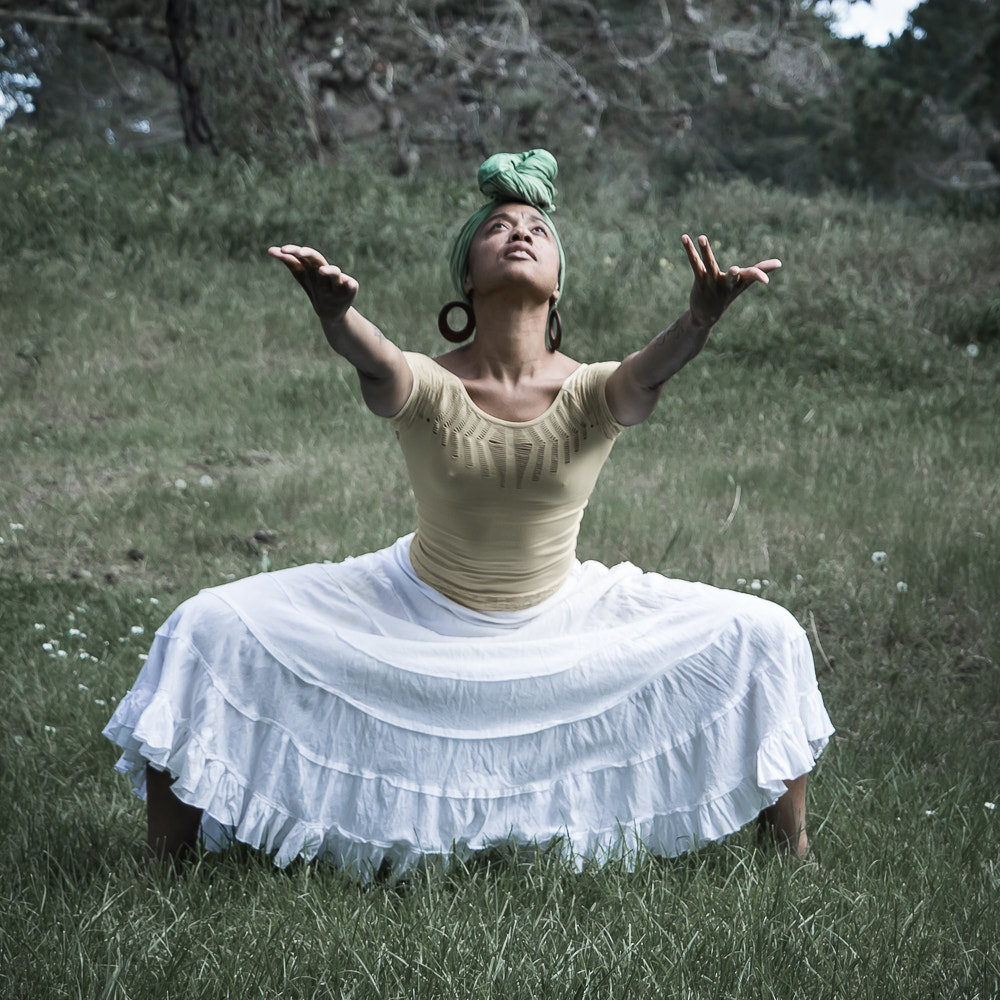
x=331, y=292
x=385, y=376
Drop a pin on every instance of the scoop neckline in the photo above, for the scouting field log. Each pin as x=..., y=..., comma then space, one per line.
x=500, y=420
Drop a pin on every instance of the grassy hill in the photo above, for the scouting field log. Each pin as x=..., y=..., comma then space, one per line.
x=171, y=418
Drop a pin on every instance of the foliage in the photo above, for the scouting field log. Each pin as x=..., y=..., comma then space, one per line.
x=681, y=92
x=170, y=418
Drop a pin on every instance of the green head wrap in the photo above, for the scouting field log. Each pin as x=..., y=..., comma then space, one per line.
x=505, y=177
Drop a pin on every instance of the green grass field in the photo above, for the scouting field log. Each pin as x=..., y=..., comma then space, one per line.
x=165, y=396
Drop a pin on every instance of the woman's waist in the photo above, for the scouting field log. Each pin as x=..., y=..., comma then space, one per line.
x=493, y=571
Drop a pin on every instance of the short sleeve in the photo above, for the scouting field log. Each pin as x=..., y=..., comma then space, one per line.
x=425, y=394
x=589, y=393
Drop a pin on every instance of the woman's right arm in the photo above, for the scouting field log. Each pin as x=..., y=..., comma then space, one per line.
x=385, y=376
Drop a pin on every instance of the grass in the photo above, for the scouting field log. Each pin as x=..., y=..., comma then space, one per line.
x=165, y=396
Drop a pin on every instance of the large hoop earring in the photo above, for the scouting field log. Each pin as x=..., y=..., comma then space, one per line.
x=553, y=340
x=456, y=336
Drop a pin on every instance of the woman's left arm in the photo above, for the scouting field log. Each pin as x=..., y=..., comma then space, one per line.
x=634, y=389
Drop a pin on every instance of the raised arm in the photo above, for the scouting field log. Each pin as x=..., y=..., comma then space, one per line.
x=634, y=389
x=384, y=374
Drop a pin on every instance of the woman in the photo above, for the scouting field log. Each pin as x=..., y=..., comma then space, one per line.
x=474, y=684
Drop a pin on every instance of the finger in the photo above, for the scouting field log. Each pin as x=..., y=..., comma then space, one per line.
x=345, y=281
x=711, y=266
x=759, y=272
x=308, y=256
x=292, y=263
x=751, y=274
x=692, y=254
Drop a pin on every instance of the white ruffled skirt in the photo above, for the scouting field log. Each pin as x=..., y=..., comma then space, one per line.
x=349, y=711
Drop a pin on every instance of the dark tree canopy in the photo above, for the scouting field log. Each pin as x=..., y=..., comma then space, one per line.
x=677, y=88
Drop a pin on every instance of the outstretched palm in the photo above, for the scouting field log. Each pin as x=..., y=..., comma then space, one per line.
x=714, y=290
x=330, y=291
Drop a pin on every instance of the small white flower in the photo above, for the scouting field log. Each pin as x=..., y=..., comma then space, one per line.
x=741, y=582
x=972, y=350
x=206, y=480
x=83, y=655
x=61, y=653
x=180, y=484
x=70, y=617
x=755, y=585
x=990, y=805
x=82, y=687
x=902, y=587
x=48, y=647
x=16, y=527
x=154, y=600
x=50, y=729
x=879, y=557
x=930, y=812
x=765, y=583
x=137, y=630
x=100, y=701
x=39, y=627
x=798, y=578
x=74, y=631
x=144, y=656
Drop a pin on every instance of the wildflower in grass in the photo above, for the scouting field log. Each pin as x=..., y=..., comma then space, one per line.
x=48, y=647
x=879, y=557
x=83, y=655
x=16, y=527
x=990, y=805
x=755, y=585
x=82, y=687
x=50, y=729
x=930, y=812
x=39, y=627
x=61, y=653
x=902, y=587
x=972, y=350
x=154, y=600
x=206, y=480
x=180, y=484
x=137, y=630
x=144, y=656
x=74, y=631
x=741, y=582
x=100, y=701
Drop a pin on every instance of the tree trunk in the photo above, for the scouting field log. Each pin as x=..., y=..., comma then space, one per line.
x=181, y=17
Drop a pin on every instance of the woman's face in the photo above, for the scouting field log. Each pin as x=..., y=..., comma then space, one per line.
x=514, y=245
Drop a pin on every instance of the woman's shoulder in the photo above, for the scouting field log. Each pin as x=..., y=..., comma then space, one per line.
x=430, y=380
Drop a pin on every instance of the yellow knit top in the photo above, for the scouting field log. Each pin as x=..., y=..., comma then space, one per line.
x=499, y=502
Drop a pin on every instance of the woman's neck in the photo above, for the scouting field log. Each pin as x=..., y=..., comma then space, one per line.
x=510, y=341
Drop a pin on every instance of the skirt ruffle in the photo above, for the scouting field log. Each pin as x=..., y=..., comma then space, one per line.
x=350, y=712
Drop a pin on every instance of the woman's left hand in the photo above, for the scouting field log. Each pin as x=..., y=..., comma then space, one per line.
x=714, y=290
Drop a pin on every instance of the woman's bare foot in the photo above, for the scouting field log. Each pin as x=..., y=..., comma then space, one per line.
x=171, y=825
x=785, y=821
